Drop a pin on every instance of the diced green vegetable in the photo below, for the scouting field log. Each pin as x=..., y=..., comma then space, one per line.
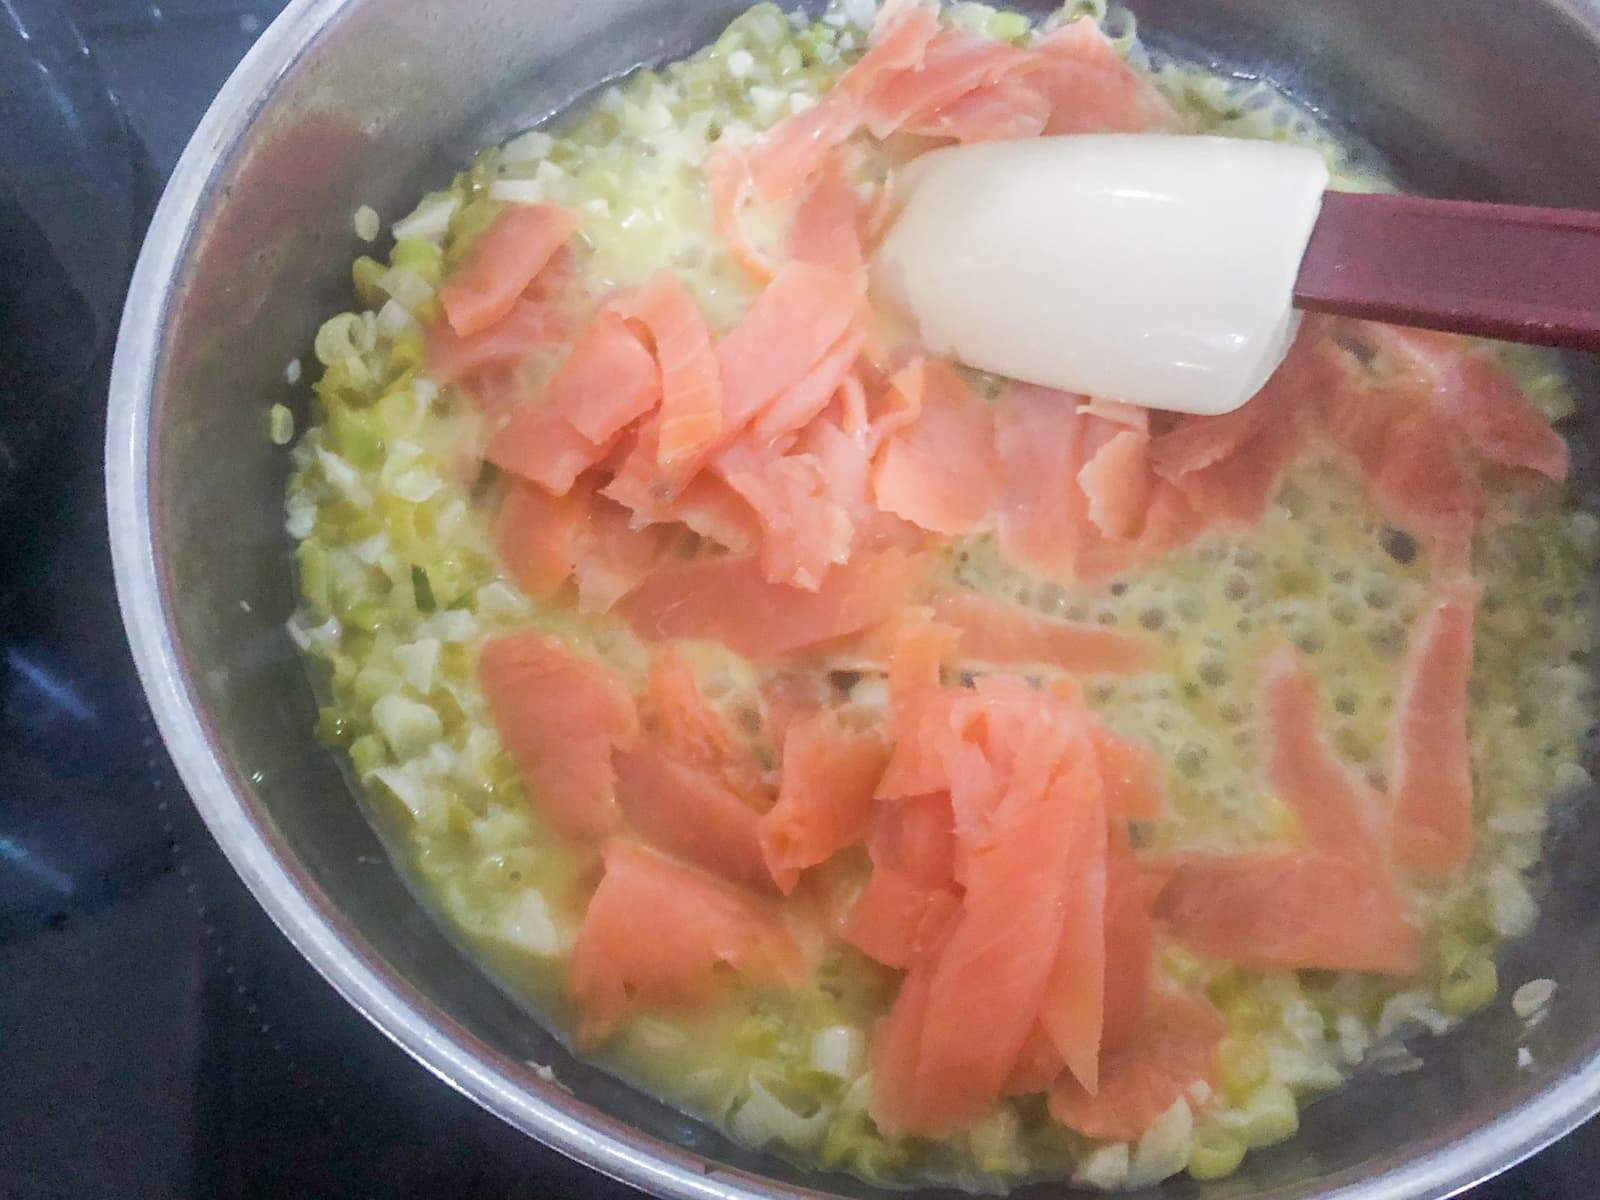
x=423, y=590
x=367, y=753
x=1472, y=984
x=364, y=274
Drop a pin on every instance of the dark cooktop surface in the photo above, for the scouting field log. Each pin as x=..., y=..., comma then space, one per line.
x=158, y=1038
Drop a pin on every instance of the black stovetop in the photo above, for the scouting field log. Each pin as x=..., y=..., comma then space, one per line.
x=158, y=1038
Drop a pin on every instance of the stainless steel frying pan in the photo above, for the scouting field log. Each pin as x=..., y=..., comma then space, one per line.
x=345, y=102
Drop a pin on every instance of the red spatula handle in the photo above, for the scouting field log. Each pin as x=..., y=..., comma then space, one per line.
x=1493, y=270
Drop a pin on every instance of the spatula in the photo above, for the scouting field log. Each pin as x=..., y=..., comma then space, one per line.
x=1508, y=271
x=1166, y=271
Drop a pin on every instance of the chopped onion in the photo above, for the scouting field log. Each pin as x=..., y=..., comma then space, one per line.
x=861, y=12
x=1163, y=1149
x=451, y=625
x=417, y=796
x=344, y=478
x=498, y=600
x=418, y=660
x=370, y=550
x=406, y=286
x=526, y=923
x=408, y=727
x=1105, y=1168
x=305, y=636
x=430, y=220
x=1408, y=1010
x=763, y=1119
x=839, y=1050
x=1512, y=909
x=527, y=147
x=517, y=191
x=302, y=518
x=416, y=485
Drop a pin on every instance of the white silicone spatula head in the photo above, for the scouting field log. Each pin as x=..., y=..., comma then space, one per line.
x=1156, y=270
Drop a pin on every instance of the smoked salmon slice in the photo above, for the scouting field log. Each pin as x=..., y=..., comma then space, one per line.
x=804, y=530
x=916, y=837
x=893, y=918
x=795, y=323
x=953, y=65
x=804, y=399
x=731, y=601
x=1092, y=89
x=1175, y=1048
x=786, y=331
x=897, y=1102
x=502, y=263
x=1073, y=1008
x=689, y=386
x=1430, y=755
x=611, y=557
x=901, y=402
x=1468, y=385
x=1332, y=906
x=1038, y=1065
x=706, y=504
x=529, y=325
x=900, y=38
x=537, y=536
x=999, y=632
x=1291, y=911
x=910, y=895
x=607, y=382
x=1116, y=484
x=1007, y=108
x=990, y=977
x=787, y=697
x=1131, y=776
x=1423, y=478
x=780, y=161
x=940, y=472
x=560, y=715
x=825, y=800
x=1337, y=812
x=1042, y=511
x=846, y=460
x=919, y=708
x=728, y=186
x=540, y=445
x=656, y=934
x=1501, y=423
x=688, y=728
x=829, y=223
x=689, y=813
x=1239, y=489
x=1228, y=466
x=1132, y=890
x=783, y=158
x=1190, y=444
x=1423, y=419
